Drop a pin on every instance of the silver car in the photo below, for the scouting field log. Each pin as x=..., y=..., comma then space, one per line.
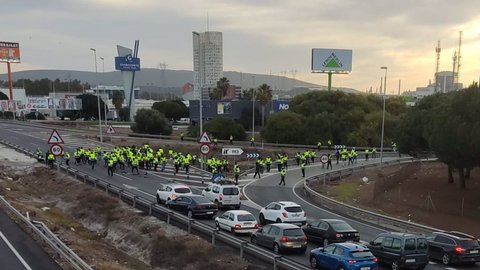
x=281, y=237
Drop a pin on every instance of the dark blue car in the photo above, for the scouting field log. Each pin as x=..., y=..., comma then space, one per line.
x=343, y=256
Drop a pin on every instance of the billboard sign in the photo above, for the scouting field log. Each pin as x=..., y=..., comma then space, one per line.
x=9, y=52
x=127, y=63
x=37, y=103
x=280, y=105
x=331, y=60
x=224, y=108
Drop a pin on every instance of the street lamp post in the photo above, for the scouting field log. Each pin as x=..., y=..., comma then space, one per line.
x=253, y=109
x=104, y=91
x=98, y=96
x=383, y=114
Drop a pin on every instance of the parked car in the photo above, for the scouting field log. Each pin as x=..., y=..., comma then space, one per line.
x=193, y=206
x=330, y=231
x=223, y=194
x=453, y=247
x=283, y=212
x=237, y=221
x=346, y=256
x=171, y=191
x=280, y=237
x=400, y=250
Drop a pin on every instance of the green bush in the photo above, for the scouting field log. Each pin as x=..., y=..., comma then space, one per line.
x=284, y=127
x=151, y=122
x=222, y=127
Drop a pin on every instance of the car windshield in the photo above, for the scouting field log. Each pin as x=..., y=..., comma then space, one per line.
x=182, y=190
x=341, y=226
x=293, y=209
x=361, y=254
x=201, y=200
x=293, y=232
x=230, y=191
x=469, y=244
x=246, y=217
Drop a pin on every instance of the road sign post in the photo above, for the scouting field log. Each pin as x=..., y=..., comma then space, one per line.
x=110, y=131
x=56, y=149
x=232, y=151
x=205, y=141
x=55, y=138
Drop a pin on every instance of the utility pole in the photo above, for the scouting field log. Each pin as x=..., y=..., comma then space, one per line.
x=98, y=96
x=383, y=116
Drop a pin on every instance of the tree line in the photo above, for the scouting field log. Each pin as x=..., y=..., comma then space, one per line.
x=44, y=86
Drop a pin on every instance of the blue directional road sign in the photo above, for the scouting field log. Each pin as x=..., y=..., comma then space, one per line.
x=252, y=155
x=127, y=63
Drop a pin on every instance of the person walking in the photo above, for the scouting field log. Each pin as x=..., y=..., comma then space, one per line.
x=135, y=165
x=302, y=166
x=252, y=141
x=66, y=156
x=367, y=152
x=110, y=164
x=283, y=172
x=257, y=169
x=231, y=139
x=50, y=160
x=181, y=136
x=329, y=162
x=236, y=170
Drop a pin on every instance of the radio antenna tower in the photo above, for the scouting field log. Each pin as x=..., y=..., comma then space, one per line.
x=438, y=49
x=459, y=56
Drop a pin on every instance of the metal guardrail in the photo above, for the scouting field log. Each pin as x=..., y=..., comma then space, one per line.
x=175, y=218
x=360, y=213
x=49, y=237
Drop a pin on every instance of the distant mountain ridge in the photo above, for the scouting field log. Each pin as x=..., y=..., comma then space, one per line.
x=149, y=78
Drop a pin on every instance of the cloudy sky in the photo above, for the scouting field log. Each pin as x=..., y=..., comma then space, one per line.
x=260, y=36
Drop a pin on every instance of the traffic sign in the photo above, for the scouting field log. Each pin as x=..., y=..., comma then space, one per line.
x=252, y=155
x=110, y=130
x=324, y=159
x=205, y=149
x=205, y=138
x=232, y=151
x=56, y=149
x=55, y=138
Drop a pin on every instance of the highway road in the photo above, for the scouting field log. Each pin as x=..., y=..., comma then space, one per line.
x=18, y=251
x=260, y=192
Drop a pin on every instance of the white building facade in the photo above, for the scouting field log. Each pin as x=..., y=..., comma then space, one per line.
x=207, y=60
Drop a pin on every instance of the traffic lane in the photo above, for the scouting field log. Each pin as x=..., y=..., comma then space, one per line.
x=31, y=252
x=8, y=258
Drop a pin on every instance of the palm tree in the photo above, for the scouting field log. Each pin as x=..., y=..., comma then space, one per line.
x=221, y=90
x=263, y=95
x=117, y=100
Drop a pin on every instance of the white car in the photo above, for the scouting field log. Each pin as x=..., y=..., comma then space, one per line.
x=223, y=194
x=237, y=221
x=169, y=192
x=283, y=212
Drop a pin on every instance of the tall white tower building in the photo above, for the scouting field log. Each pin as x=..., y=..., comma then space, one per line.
x=207, y=61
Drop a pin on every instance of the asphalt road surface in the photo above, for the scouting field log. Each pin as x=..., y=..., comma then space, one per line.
x=18, y=251
x=260, y=192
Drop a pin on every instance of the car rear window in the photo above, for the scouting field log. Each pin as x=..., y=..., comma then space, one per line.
x=201, y=200
x=230, y=191
x=293, y=209
x=293, y=232
x=246, y=217
x=361, y=254
x=468, y=244
x=182, y=190
x=341, y=226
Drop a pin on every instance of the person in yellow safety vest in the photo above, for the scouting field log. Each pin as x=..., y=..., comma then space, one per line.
x=135, y=165
x=231, y=139
x=110, y=164
x=285, y=161
x=215, y=142
x=374, y=153
x=297, y=158
x=39, y=155
x=155, y=163
x=366, y=154
x=329, y=162
x=313, y=156
x=268, y=162
x=181, y=136
x=236, y=170
x=252, y=141
x=283, y=172
x=93, y=159
x=51, y=159
x=302, y=166
x=66, y=156
x=329, y=144
x=319, y=146
x=163, y=161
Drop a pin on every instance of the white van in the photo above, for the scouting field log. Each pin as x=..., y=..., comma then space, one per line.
x=223, y=194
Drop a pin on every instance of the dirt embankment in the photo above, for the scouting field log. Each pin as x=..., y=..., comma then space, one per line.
x=419, y=191
x=103, y=230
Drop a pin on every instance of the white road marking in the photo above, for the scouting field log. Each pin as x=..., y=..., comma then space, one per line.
x=246, y=196
x=15, y=252
x=139, y=190
x=450, y=268
x=430, y=262
x=315, y=206
x=123, y=176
